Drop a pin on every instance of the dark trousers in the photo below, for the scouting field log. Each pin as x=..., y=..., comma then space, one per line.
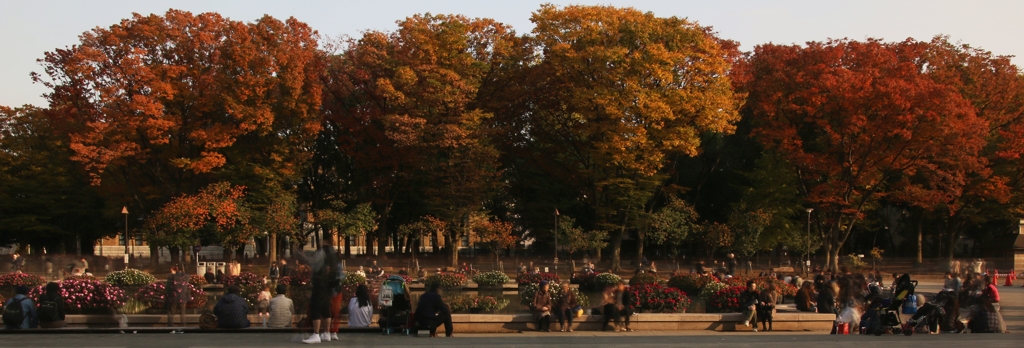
x=544, y=323
x=565, y=316
x=625, y=314
x=173, y=307
x=610, y=313
x=764, y=315
x=441, y=318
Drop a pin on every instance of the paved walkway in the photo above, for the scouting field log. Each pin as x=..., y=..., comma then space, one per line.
x=1011, y=301
x=547, y=340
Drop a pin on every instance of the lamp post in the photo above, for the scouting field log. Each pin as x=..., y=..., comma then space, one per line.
x=556, y=241
x=124, y=210
x=807, y=253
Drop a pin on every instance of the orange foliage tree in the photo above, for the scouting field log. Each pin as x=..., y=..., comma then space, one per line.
x=858, y=121
x=406, y=100
x=217, y=214
x=163, y=105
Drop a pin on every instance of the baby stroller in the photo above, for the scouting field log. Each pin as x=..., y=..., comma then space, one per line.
x=884, y=313
x=394, y=302
x=877, y=319
x=931, y=313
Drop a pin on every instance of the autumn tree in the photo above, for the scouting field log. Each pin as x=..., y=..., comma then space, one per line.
x=714, y=236
x=856, y=120
x=407, y=100
x=217, y=214
x=994, y=87
x=496, y=235
x=609, y=96
x=162, y=105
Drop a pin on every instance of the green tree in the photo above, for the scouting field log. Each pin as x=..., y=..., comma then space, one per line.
x=610, y=95
x=45, y=200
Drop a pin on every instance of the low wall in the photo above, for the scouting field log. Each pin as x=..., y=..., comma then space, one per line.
x=524, y=322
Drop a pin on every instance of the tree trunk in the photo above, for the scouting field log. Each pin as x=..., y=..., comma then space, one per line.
x=639, y=247
x=617, y=251
x=453, y=249
x=920, y=230
x=272, y=253
x=154, y=255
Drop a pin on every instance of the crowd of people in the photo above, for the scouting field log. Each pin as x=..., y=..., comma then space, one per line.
x=969, y=293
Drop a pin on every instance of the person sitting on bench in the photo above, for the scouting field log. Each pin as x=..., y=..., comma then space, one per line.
x=432, y=312
x=232, y=310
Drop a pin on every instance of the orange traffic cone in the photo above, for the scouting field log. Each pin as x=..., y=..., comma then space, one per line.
x=1009, y=279
x=995, y=277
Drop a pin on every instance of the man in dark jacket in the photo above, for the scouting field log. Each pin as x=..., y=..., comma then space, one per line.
x=232, y=310
x=177, y=295
x=748, y=303
x=433, y=312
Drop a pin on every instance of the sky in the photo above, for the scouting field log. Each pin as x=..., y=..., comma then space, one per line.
x=28, y=28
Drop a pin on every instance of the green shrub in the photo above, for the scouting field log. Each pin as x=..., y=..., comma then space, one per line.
x=130, y=276
x=491, y=278
x=644, y=279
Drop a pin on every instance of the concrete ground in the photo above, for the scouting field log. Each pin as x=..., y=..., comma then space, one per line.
x=1011, y=301
x=531, y=339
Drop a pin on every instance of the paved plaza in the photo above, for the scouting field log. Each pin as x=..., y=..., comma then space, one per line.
x=529, y=339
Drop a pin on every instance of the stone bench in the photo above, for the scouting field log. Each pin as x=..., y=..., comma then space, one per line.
x=483, y=323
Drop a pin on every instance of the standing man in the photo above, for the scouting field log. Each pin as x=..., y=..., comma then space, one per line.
x=178, y=294
x=321, y=264
x=274, y=273
x=732, y=264
x=16, y=263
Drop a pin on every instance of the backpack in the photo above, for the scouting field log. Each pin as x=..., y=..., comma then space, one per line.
x=48, y=311
x=14, y=315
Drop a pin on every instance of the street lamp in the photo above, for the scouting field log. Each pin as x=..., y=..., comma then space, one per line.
x=807, y=252
x=124, y=210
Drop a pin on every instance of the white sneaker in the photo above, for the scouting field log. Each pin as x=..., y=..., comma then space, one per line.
x=312, y=339
x=325, y=337
x=746, y=323
x=334, y=336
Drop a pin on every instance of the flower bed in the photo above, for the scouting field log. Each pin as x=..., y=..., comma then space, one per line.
x=349, y=286
x=467, y=304
x=299, y=279
x=530, y=290
x=408, y=279
x=154, y=295
x=691, y=283
x=605, y=280
x=492, y=278
x=527, y=278
x=710, y=290
x=783, y=288
x=82, y=295
x=244, y=279
x=726, y=300
x=196, y=280
x=655, y=298
x=18, y=279
x=446, y=280
x=130, y=276
x=644, y=279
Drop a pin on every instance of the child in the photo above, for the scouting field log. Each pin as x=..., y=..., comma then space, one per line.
x=262, y=303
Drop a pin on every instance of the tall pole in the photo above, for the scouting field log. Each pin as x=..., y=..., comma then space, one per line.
x=807, y=253
x=556, y=241
x=124, y=211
